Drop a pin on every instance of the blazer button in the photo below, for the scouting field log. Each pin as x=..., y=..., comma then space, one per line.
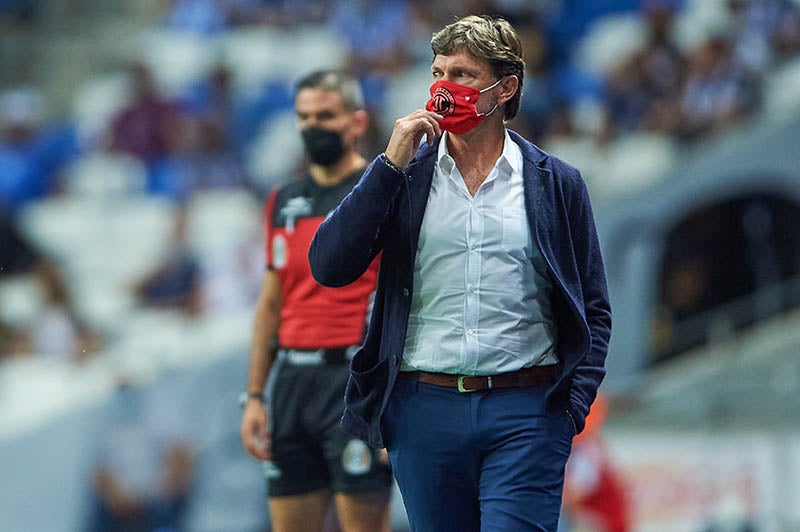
x=405, y=292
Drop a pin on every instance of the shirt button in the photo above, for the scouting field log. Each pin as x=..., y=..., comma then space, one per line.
x=405, y=292
x=470, y=331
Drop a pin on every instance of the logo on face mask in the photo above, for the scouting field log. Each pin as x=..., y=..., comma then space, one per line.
x=443, y=101
x=457, y=104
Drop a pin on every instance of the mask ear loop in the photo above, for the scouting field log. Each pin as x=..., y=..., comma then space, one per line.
x=490, y=87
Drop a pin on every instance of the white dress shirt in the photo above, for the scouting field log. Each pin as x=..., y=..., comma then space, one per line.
x=479, y=305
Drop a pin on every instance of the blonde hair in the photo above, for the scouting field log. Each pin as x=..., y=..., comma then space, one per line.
x=490, y=39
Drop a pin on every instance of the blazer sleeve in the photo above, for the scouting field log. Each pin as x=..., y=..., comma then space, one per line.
x=346, y=243
x=597, y=308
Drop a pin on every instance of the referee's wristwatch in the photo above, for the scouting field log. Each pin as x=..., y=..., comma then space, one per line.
x=246, y=397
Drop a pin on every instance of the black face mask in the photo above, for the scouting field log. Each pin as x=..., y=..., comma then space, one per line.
x=324, y=147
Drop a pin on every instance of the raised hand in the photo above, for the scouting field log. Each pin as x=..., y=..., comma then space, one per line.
x=407, y=135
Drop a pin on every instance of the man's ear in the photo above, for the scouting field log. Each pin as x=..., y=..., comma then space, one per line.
x=508, y=88
x=360, y=122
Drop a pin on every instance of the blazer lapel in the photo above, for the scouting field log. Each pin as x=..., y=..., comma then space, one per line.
x=537, y=183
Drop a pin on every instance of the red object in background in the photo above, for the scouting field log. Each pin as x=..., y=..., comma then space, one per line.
x=595, y=494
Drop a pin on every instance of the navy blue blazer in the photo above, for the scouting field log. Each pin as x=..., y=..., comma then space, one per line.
x=384, y=211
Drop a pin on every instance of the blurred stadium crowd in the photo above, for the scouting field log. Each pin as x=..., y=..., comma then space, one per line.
x=203, y=106
x=130, y=222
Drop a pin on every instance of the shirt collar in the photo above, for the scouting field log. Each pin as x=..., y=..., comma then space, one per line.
x=509, y=162
x=443, y=159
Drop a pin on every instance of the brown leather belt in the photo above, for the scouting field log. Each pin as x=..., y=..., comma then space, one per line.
x=524, y=378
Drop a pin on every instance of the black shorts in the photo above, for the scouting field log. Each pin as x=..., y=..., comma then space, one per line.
x=310, y=450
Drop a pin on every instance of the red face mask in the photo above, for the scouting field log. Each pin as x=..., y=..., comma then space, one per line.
x=456, y=103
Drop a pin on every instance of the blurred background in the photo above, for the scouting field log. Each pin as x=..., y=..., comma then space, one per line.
x=138, y=140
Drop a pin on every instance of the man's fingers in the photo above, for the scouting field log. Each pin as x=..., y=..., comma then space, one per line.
x=255, y=435
x=258, y=447
x=422, y=119
x=408, y=132
x=432, y=128
x=425, y=112
x=424, y=125
x=433, y=131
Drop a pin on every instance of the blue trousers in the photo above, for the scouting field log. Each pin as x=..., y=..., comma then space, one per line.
x=489, y=461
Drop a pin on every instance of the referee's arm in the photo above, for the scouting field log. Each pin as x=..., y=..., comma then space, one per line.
x=255, y=427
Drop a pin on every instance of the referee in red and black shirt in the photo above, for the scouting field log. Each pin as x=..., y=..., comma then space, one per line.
x=294, y=426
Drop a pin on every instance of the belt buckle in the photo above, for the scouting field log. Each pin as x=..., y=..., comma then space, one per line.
x=460, y=383
x=462, y=388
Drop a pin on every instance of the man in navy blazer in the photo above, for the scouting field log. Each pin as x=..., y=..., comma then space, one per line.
x=491, y=320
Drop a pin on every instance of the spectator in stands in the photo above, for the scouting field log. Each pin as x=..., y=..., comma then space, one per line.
x=144, y=464
x=144, y=126
x=375, y=33
x=17, y=258
x=541, y=93
x=760, y=29
x=718, y=93
x=17, y=255
x=31, y=153
x=175, y=282
x=58, y=330
x=198, y=157
x=627, y=100
x=202, y=152
x=212, y=97
x=218, y=164
x=219, y=106
x=664, y=65
x=644, y=90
